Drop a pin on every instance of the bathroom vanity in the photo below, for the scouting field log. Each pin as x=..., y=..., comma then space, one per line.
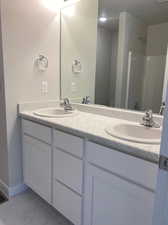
x=84, y=173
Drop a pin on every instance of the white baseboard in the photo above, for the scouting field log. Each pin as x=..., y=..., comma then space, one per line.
x=4, y=189
x=13, y=191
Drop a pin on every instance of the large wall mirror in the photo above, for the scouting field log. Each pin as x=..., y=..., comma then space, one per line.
x=115, y=52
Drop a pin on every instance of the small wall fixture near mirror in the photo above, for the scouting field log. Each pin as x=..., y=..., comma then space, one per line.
x=42, y=63
x=76, y=66
x=123, y=48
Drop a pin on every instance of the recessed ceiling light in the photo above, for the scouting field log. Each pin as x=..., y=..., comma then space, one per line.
x=103, y=19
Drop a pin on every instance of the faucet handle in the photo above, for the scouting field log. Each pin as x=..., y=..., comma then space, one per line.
x=148, y=120
x=67, y=105
x=66, y=101
x=86, y=100
x=149, y=113
x=162, y=108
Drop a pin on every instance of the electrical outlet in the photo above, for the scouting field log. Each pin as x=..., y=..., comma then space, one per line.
x=44, y=87
x=73, y=87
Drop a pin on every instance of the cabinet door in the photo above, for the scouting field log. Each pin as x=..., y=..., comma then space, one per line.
x=37, y=166
x=111, y=200
x=67, y=202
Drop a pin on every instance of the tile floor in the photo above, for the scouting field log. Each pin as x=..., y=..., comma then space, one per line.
x=29, y=209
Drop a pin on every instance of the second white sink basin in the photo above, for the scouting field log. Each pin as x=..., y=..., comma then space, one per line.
x=55, y=112
x=135, y=132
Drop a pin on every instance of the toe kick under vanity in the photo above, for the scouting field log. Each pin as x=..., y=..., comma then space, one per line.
x=87, y=181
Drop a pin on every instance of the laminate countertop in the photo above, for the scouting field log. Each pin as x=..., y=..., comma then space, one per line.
x=92, y=127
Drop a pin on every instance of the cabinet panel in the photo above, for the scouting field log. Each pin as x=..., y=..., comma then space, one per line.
x=68, y=143
x=110, y=200
x=68, y=203
x=68, y=170
x=132, y=168
x=37, y=166
x=36, y=130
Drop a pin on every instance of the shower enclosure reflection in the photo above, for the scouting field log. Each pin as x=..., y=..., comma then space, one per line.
x=131, y=60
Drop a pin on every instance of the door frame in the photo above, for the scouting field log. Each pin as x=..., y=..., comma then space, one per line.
x=160, y=215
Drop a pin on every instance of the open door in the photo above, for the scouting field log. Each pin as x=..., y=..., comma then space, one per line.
x=160, y=216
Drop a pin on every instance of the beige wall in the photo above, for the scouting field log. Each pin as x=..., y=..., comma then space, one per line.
x=103, y=65
x=28, y=29
x=153, y=82
x=3, y=141
x=157, y=40
x=107, y=47
x=113, y=68
x=79, y=34
x=156, y=51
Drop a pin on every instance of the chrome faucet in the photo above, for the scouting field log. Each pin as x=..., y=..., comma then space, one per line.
x=86, y=100
x=66, y=104
x=148, y=120
x=162, y=108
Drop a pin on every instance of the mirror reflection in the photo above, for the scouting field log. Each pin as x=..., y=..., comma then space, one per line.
x=116, y=54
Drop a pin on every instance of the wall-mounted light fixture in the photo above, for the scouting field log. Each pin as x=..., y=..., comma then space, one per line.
x=55, y=5
x=69, y=3
x=52, y=5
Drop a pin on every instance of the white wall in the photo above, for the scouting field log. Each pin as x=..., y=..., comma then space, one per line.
x=130, y=29
x=79, y=37
x=28, y=29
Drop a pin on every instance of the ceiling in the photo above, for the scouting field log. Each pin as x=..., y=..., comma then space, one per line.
x=149, y=11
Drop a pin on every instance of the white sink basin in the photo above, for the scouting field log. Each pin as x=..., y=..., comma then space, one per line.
x=55, y=113
x=135, y=132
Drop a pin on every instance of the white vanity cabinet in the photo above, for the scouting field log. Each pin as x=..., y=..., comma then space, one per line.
x=88, y=183
x=37, y=158
x=119, y=189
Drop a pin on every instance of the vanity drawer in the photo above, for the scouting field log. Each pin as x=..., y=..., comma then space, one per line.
x=37, y=131
x=136, y=170
x=68, y=170
x=68, y=143
x=68, y=203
